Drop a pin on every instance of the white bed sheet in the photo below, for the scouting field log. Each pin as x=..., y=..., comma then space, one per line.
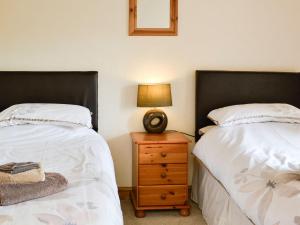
x=259, y=165
x=83, y=157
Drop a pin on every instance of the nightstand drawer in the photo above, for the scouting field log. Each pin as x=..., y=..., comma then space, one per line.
x=163, y=195
x=162, y=153
x=162, y=174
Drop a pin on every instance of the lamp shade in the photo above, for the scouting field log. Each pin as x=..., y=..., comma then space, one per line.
x=154, y=95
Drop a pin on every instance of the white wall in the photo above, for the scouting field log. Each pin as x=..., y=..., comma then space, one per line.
x=92, y=35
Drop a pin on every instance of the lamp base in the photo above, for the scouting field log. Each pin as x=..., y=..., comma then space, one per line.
x=155, y=121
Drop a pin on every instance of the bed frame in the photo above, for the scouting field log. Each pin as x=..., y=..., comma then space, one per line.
x=215, y=89
x=79, y=88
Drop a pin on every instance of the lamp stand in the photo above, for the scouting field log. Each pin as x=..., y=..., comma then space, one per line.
x=155, y=121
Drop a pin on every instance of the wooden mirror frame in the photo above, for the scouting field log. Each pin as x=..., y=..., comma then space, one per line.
x=171, y=31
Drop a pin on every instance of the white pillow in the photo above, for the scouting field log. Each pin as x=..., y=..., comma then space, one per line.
x=39, y=113
x=255, y=113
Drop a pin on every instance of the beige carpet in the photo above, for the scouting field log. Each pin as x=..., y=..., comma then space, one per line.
x=170, y=217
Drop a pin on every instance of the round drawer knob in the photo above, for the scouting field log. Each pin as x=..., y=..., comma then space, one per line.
x=163, y=175
x=163, y=154
x=163, y=196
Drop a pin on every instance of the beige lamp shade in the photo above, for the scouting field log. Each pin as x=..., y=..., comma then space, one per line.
x=154, y=95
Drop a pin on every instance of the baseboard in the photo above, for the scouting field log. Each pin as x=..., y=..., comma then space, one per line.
x=124, y=192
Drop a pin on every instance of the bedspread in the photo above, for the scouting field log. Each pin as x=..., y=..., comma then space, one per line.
x=83, y=157
x=259, y=165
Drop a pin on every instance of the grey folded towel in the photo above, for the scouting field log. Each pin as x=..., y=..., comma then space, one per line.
x=15, y=168
x=16, y=193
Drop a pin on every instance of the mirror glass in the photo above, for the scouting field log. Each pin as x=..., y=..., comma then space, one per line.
x=153, y=13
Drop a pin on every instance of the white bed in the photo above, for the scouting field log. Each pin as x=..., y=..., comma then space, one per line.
x=83, y=157
x=250, y=174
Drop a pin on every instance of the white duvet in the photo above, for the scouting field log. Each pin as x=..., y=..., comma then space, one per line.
x=259, y=165
x=83, y=157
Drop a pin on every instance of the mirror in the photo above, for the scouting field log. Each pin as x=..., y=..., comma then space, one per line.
x=150, y=17
x=153, y=17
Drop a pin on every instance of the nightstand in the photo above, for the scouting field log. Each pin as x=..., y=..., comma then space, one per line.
x=159, y=172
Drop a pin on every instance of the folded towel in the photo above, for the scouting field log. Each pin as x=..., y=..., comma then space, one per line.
x=14, y=168
x=29, y=176
x=16, y=193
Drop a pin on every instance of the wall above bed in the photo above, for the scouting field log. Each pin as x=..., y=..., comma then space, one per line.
x=80, y=35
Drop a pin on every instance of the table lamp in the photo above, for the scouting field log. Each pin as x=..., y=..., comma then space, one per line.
x=154, y=95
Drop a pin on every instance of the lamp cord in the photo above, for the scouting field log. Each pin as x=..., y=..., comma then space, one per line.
x=181, y=133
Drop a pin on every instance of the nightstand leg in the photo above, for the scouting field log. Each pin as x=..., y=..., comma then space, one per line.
x=184, y=212
x=140, y=213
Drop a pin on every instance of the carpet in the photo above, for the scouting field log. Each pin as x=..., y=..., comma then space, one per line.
x=162, y=217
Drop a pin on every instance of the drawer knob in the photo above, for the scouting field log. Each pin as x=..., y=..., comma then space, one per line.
x=163, y=154
x=163, y=175
x=163, y=196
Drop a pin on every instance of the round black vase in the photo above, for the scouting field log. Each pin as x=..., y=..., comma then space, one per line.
x=149, y=119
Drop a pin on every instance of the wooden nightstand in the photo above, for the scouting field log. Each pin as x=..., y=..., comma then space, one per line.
x=159, y=172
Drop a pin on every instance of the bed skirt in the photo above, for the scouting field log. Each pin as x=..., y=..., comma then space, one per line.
x=218, y=208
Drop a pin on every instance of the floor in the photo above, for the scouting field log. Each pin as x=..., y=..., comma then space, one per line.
x=161, y=217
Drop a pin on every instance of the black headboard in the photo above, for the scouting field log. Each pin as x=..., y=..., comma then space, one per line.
x=215, y=89
x=79, y=88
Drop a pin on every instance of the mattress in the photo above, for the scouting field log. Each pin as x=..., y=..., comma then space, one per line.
x=259, y=167
x=83, y=157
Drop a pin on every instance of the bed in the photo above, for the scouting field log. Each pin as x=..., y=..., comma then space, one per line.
x=80, y=154
x=247, y=174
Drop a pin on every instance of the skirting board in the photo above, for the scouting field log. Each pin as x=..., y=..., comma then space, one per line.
x=124, y=192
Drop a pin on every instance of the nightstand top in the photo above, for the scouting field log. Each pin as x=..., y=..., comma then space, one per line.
x=167, y=137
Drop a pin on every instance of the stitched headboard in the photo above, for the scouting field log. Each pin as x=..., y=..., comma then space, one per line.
x=215, y=89
x=79, y=88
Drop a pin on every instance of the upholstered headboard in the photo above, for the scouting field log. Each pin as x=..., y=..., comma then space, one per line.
x=79, y=88
x=215, y=89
